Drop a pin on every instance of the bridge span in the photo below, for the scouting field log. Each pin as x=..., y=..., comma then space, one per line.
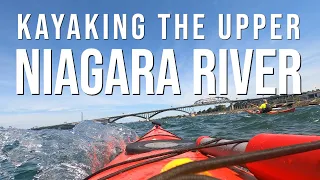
x=188, y=109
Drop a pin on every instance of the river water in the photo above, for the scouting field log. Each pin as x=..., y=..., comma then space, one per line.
x=76, y=153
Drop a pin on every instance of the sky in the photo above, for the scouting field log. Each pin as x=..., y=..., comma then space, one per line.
x=26, y=111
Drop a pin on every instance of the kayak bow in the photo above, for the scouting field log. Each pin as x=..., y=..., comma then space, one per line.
x=159, y=151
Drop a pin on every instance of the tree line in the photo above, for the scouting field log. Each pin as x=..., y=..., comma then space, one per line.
x=212, y=110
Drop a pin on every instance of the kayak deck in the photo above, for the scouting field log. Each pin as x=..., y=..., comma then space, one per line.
x=149, y=170
x=275, y=156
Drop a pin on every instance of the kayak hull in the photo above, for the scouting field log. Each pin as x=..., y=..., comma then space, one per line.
x=272, y=112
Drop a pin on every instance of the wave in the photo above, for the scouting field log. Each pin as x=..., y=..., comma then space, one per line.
x=61, y=154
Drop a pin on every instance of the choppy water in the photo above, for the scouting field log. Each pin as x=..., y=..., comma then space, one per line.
x=75, y=153
x=60, y=154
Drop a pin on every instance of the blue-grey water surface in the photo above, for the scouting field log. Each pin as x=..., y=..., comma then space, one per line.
x=75, y=153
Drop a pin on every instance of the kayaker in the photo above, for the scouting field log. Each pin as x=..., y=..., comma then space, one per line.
x=265, y=107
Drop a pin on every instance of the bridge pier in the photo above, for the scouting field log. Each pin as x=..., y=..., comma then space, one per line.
x=232, y=106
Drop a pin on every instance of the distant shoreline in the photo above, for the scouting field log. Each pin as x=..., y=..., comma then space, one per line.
x=227, y=111
x=296, y=104
x=222, y=112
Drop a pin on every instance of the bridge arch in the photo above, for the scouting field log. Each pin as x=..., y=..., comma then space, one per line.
x=118, y=118
x=180, y=110
x=147, y=116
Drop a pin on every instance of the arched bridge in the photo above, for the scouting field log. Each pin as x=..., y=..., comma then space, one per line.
x=146, y=115
x=185, y=109
x=234, y=104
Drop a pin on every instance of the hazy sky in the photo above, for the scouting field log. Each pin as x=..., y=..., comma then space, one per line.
x=28, y=111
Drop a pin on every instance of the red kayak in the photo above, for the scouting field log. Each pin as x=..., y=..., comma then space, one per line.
x=159, y=153
x=271, y=112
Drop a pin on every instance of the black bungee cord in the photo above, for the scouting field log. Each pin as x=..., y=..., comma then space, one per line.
x=172, y=152
x=226, y=161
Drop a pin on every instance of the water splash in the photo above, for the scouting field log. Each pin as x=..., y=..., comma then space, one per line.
x=60, y=154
